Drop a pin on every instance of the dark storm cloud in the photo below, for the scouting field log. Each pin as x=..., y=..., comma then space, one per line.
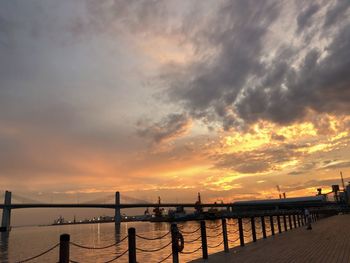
x=235, y=84
x=336, y=13
x=237, y=33
x=305, y=16
x=168, y=128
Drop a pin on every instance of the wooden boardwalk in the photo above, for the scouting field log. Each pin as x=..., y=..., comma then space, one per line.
x=328, y=241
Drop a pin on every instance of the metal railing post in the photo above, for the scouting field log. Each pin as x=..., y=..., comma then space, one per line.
x=64, y=248
x=224, y=234
x=294, y=221
x=263, y=226
x=290, y=221
x=132, y=244
x=204, y=240
x=272, y=226
x=174, y=247
x=301, y=219
x=252, y=221
x=285, y=223
x=241, y=234
x=279, y=224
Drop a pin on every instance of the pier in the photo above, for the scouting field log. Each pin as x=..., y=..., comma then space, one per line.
x=328, y=241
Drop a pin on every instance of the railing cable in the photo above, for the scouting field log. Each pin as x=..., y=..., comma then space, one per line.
x=190, y=252
x=193, y=240
x=190, y=232
x=213, y=227
x=232, y=241
x=247, y=230
x=232, y=224
x=165, y=258
x=105, y=247
x=39, y=255
x=153, y=238
x=232, y=232
x=216, y=245
x=219, y=234
x=153, y=250
x=119, y=256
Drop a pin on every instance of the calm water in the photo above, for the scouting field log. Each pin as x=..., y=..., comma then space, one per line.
x=25, y=242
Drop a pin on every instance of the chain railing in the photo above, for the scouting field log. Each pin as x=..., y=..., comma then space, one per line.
x=191, y=252
x=153, y=250
x=153, y=238
x=98, y=248
x=182, y=241
x=190, y=232
x=39, y=255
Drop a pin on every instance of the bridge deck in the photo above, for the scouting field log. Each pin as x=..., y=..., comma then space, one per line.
x=328, y=241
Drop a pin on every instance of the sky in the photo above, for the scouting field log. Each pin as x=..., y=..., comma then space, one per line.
x=171, y=98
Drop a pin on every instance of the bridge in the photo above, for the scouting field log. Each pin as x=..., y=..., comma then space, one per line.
x=117, y=206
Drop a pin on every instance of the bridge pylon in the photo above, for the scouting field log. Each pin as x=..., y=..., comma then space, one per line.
x=6, y=213
x=117, y=215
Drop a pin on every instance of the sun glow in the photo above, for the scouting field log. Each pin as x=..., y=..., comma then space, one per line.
x=165, y=49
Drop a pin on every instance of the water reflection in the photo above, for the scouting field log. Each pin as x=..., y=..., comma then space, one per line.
x=117, y=235
x=117, y=232
x=4, y=242
x=106, y=235
x=158, y=226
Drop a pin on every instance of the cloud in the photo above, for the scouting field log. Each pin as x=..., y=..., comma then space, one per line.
x=239, y=77
x=169, y=128
x=75, y=80
x=337, y=165
x=128, y=16
x=315, y=183
x=305, y=16
x=237, y=31
x=258, y=161
x=336, y=12
x=306, y=167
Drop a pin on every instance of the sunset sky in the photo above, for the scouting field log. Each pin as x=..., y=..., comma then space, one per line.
x=229, y=98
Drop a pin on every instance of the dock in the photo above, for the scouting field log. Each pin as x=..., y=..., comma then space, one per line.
x=328, y=241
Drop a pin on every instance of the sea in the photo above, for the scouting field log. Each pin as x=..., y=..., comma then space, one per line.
x=152, y=241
